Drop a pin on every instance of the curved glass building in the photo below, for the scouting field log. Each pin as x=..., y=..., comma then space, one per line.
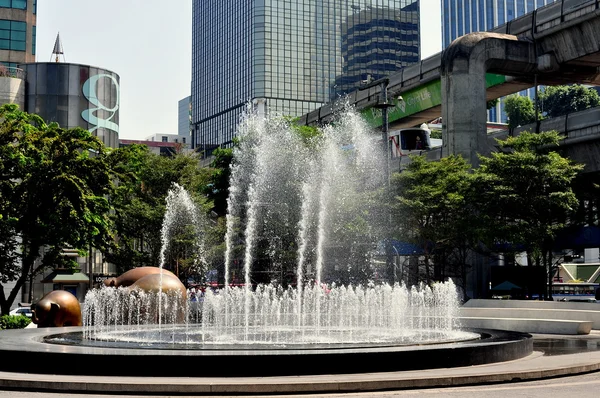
x=75, y=95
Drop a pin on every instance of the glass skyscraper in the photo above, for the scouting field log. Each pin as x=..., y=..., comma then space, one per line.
x=292, y=55
x=460, y=17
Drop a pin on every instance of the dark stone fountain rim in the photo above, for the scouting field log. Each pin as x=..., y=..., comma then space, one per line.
x=25, y=350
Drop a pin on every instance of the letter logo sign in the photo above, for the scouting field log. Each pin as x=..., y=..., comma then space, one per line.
x=90, y=115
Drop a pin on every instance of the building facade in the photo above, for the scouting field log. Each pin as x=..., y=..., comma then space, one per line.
x=377, y=42
x=291, y=56
x=17, y=47
x=167, y=137
x=163, y=144
x=460, y=17
x=17, y=32
x=184, y=117
x=75, y=95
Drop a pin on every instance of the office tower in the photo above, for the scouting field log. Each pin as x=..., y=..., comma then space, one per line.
x=184, y=117
x=377, y=42
x=17, y=32
x=290, y=56
x=460, y=17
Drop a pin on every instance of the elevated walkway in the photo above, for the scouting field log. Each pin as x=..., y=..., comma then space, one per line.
x=420, y=86
x=580, y=143
x=529, y=316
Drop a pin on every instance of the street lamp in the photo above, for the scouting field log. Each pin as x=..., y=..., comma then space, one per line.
x=383, y=104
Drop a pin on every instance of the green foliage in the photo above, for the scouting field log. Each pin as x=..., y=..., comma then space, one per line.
x=529, y=142
x=525, y=191
x=54, y=185
x=521, y=195
x=492, y=103
x=310, y=135
x=9, y=257
x=561, y=100
x=14, y=322
x=520, y=110
x=432, y=208
x=436, y=134
x=218, y=186
x=139, y=207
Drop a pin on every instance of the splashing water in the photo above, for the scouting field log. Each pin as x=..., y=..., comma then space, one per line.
x=106, y=308
x=181, y=211
x=305, y=215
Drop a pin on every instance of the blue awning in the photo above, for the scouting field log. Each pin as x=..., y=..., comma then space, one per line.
x=400, y=248
x=506, y=286
x=577, y=238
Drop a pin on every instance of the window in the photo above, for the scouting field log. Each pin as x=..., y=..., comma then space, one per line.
x=18, y=4
x=33, y=41
x=165, y=139
x=12, y=35
x=183, y=140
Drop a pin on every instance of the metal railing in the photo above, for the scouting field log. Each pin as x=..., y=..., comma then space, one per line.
x=9, y=71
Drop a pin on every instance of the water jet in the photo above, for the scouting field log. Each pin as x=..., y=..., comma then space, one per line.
x=318, y=198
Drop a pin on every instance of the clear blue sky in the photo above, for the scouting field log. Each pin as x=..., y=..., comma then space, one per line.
x=148, y=44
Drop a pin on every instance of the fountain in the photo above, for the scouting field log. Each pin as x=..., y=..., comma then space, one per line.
x=303, y=292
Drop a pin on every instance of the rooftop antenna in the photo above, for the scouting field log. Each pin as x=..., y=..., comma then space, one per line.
x=58, y=49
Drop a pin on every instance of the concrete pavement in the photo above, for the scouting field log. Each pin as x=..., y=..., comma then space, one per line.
x=536, y=366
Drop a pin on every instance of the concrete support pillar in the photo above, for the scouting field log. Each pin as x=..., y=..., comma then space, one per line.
x=464, y=116
x=464, y=66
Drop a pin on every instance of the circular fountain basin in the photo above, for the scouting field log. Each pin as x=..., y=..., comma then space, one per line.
x=184, y=337
x=63, y=351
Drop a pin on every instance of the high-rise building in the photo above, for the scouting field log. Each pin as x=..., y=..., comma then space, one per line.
x=377, y=42
x=17, y=32
x=460, y=17
x=184, y=117
x=291, y=56
x=17, y=47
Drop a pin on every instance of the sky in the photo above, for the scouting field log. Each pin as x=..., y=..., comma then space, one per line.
x=148, y=44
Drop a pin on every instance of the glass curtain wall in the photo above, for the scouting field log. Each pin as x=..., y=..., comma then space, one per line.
x=295, y=55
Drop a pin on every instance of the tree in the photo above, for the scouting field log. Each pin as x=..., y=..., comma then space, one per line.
x=525, y=194
x=520, y=110
x=433, y=211
x=139, y=205
x=217, y=189
x=54, y=185
x=492, y=103
x=561, y=100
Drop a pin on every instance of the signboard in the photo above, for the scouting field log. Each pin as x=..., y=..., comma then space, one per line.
x=101, y=278
x=417, y=100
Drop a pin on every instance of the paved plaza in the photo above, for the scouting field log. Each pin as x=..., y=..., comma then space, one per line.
x=553, y=356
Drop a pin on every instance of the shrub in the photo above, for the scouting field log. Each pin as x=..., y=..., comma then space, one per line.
x=14, y=322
